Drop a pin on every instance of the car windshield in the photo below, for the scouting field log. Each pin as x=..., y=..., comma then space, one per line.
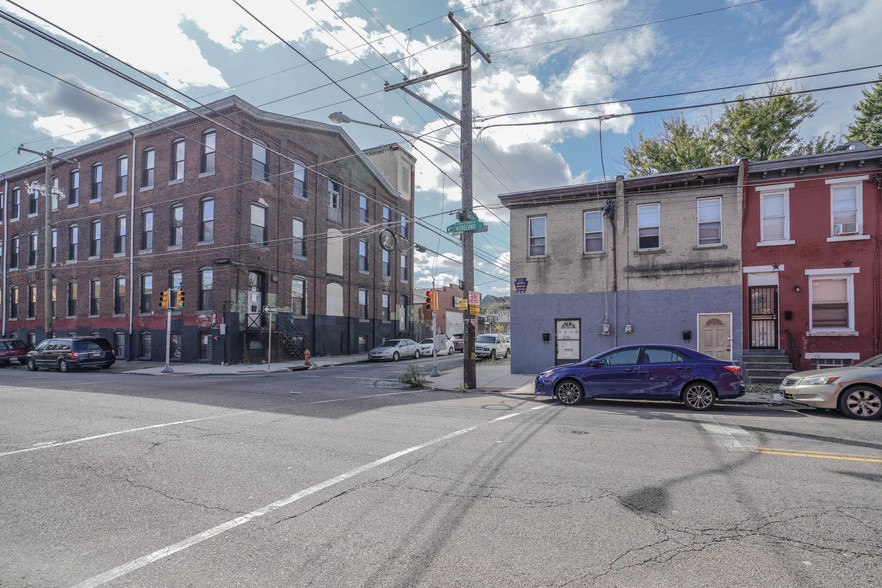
x=13, y=345
x=875, y=361
x=486, y=339
x=392, y=343
x=426, y=341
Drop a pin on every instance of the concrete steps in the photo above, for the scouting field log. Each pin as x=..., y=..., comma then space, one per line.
x=765, y=366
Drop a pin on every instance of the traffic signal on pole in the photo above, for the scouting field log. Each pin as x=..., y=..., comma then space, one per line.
x=431, y=300
x=163, y=299
x=180, y=298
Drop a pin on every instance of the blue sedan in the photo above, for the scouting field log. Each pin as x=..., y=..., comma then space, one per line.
x=645, y=372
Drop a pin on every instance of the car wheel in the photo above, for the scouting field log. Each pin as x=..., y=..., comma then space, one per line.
x=32, y=365
x=861, y=402
x=569, y=392
x=507, y=351
x=699, y=396
x=63, y=366
x=395, y=356
x=492, y=355
x=416, y=354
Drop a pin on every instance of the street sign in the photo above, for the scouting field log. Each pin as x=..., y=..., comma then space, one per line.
x=463, y=304
x=474, y=298
x=474, y=309
x=469, y=225
x=270, y=309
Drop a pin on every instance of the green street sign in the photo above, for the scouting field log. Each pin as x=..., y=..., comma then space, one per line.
x=469, y=225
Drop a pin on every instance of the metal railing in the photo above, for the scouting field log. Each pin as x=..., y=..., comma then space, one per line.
x=792, y=351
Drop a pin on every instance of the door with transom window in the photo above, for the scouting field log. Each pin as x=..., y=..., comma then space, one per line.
x=715, y=335
x=568, y=342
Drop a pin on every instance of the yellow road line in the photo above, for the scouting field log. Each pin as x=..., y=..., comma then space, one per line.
x=817, y=454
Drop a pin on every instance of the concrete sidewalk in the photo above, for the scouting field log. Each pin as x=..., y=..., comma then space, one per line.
x=491, y=376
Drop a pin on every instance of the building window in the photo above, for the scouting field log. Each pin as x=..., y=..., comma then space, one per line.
x=146, y=344
x=299, y=180
x=95, y=239
x=846, y=206
x=146, y=230
x=593, y=231
x=298, y=296
x=94, y=297
x=13, y=303
x=209, y=145
x=176, y=232
x=122, y=174
x=119, y=295
x=175, y=279
x=32, y=301
x=15, y=204
x=72, y=299
x=177, y=160
x=362, y=208
x=710, y=221
x=775, y=216
x=832, y=300
x=73, y=242
x=206, y=284
x=97, y=179
x=387, y=218
x=146, y=293
x=259, y=167
x=404, y=273
x=402, y=313
x=32, y=203
x=14, y=248
x=536, y=236
x=298, y=238
x=206, y=220
x=362, y=304
x=148, y=168
x=648, y=226
x=32, y=250
x=387, y=264
x=54, y=252
x=335, y=201
x=362, y=256
x=404, y=228
x=119, y=239
x=258, y=225
x=385, y=302
x=52, y=199
x=73, y=188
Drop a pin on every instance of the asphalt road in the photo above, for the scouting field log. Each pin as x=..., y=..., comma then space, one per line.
x=339, y=477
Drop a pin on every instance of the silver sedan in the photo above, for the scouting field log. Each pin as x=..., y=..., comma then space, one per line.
x=855, y=390
x=395, y=349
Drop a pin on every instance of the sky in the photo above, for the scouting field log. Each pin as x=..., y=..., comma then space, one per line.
x=610, y=61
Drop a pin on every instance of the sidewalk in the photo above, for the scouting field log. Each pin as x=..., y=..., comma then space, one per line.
x=491, y=377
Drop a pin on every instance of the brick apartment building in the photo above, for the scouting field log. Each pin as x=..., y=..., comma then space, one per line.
x=236, y=207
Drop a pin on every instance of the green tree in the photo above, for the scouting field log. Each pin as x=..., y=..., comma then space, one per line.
x=767, y=128
x=867, y=127
x=678, y=146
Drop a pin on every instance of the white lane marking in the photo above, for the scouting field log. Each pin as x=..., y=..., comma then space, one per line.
x=362, y=397
x=135, y=564
x=727, y=435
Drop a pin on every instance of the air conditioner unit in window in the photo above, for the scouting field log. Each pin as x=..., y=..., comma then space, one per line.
x=844, y=229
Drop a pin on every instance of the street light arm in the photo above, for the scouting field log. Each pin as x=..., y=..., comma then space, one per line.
x=340, y=118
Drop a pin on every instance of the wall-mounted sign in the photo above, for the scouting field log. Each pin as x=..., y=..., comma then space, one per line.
x=520, y=285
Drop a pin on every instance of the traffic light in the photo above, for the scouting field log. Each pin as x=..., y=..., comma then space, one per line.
x=163, y=299
x=180, y=298
x=431, y=300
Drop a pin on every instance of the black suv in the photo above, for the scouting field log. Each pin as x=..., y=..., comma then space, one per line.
x=67, y=353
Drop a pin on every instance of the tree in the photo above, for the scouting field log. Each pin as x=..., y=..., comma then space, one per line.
x=679, y=146
x=867, y=127
x=762, y=129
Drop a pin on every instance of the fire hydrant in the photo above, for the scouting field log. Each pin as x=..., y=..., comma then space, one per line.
x=306, y=357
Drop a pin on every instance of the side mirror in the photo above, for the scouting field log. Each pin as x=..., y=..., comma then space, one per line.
x=595, y=363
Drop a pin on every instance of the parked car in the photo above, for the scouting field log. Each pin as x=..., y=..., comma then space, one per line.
x=492, y=346
x=67, y=353
x=645, y=372
x=13, y=350
x=457, y=341
x=428, y=345
x=395, y=349
x=855, y=390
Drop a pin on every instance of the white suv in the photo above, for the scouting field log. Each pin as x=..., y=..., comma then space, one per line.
x=492, y=346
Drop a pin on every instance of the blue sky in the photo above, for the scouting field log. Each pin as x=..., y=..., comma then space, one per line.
x=545, y=54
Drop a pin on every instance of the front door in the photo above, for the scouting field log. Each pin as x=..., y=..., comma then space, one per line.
x=568, y=344
x=763, y=301
x=714, y=335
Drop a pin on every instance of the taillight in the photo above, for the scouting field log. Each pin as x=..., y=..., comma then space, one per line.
x=735, y=369
x=74, y=355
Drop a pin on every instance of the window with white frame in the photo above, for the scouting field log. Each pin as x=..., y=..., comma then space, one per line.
x=710, y=221
x=387, y=264
x=299, y=180
x=73, y=242
x=298, y=295
x=385, y=304
x=14, y=249
x=119, y=239
x=536, y=236
x=846, y=206
x=206, y=219
x=404, y=272
x=72, y=298
x=362, y=304
x=97, y=181
x=122, y=174
x=94, y=297
x=33, y=203
x=55, y=188
x=593, y=231
x=119, y=295
x=95, y=239
x=146, y=293
x=146, y=230
x=775, y=214
x=298, y=237
x=831, y=292
x=54, y=251
x=258, y=225
x=176, y=228
x=32, y=249
x=32, y=301
x=73, y=187
x=15, y=204
x=259, y=167
x=648, y=229
x=362, y=208
x=209, y=146
x=362, y=256
x=177, y=160
x=148, y=168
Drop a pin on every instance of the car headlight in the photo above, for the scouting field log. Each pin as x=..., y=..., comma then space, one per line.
x=818, y=380
x=545, y=374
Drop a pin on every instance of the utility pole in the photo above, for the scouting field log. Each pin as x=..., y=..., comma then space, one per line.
x=49, y=192
x=468, y=250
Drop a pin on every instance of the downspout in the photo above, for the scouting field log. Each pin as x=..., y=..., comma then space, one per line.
x=132, y=255
x=5, y=227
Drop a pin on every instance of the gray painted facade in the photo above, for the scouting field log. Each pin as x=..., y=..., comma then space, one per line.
x=635, y=261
